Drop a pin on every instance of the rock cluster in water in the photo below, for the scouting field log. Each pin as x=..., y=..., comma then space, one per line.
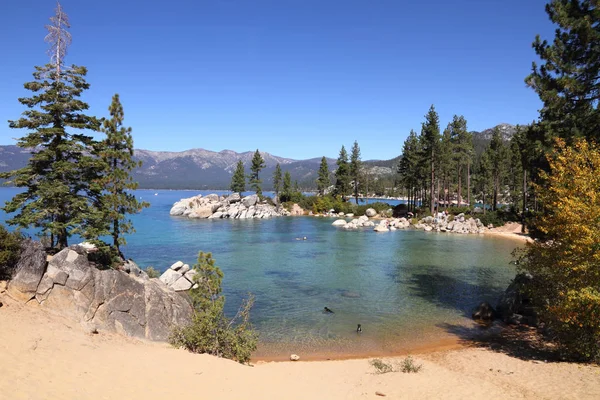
x=233, y=206
x=179, y=277
x=125, y=301
x=458, y=225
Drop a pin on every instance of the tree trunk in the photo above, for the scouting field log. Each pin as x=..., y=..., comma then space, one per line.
x=432, y=183
x=524, y=200
x=469, y=183
x=458, y=189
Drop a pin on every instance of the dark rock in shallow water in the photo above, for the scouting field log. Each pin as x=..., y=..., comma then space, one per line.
x=484, y=312
x=515, y=299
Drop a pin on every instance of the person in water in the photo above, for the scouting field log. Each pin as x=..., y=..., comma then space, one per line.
x=328, y=310
x=359, y=328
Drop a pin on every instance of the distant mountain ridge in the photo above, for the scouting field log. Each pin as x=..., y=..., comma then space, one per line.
x=205, y=169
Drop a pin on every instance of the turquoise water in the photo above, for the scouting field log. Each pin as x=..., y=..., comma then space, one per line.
x=403, y=287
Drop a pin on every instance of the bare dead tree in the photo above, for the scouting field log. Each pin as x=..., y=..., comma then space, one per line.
x=58, y=37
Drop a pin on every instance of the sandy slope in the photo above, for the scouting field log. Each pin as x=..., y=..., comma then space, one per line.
x=47, y=357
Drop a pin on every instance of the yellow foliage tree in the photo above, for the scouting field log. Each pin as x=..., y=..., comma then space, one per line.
x=566, y=264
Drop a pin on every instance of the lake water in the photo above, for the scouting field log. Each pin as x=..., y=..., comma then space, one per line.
x=405, y=287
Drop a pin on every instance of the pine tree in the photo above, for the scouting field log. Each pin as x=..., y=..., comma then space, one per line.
x=58, y=176
x=409, y=165
x=258, y=163
x=323, y=181
x=238, y=180
x=446, y=162
x=567, y=81
x=497, y=155
x=342, y=175
x=277, y=180
x=116, y=183
x=286, y=192
x=355, y=165
x=484, y=177
x=462, y=146
x=431, y=137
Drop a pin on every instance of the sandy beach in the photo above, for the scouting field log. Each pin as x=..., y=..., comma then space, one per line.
x=48, y=357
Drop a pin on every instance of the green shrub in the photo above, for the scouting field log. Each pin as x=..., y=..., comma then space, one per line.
x=408, y=365
x=152, y=272
x=499, y=217
x=458, y=210
x=380, y=366
x=10, y=250
x=210, y=331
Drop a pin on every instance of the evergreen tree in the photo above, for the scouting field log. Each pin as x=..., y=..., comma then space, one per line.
x=116, y=184
x=342, y=175
x=258, y=163
x=408, y=166
x=567, y=81
x=446, y=162
x=238, y=180
x=58, y=176
x=277, y=180
x=431, y=137
x=497, y=156
x=484, y=177
x=286, y=193
x=323, y=181
x=462, y=146
x=355, y=164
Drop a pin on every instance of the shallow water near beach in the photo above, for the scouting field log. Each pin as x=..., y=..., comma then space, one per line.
x=408, y=289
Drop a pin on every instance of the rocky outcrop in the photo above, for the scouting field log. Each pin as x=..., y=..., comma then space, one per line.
x=179, y=277
x=124, y=301
x=233, y=206
x=355, y=223
x=459, y=224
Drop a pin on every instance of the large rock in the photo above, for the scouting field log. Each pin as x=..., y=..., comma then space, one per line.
x=249, y=201
x=181, y=284
x=29, y=271
x=201, y=212
x=111, y=300
x=339, y=222
x=515, y=298
x=484, y=312
x=170, y=276
x=370, y=212
x=382, y=227
x=74, y=262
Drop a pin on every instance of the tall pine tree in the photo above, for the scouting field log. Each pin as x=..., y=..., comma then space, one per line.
x=258, y=163
x=116, y=183
x=342, y=175
x=355, y=165
x=323, y=181
x=286, y=192
x=57, y=178
x=238, y=180
x=568, y=80
x=277, y=180
x=431, y=138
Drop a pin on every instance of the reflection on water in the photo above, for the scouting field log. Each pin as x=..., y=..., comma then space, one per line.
x=398, y=285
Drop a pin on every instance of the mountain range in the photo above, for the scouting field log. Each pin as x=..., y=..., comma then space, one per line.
x=204, y=169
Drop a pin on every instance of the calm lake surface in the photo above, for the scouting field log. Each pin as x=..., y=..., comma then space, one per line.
x=406, y=288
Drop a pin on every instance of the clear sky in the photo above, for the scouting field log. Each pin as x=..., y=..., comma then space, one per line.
x=295, y=78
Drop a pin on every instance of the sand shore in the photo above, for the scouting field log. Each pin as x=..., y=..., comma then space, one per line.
x=48, y=357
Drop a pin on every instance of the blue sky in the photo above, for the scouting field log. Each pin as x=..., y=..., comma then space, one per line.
x=295, y=78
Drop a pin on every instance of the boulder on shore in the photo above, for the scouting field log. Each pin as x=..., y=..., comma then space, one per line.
x=112, y=300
